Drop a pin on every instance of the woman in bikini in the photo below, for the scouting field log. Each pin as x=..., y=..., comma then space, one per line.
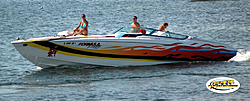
x=83, y=25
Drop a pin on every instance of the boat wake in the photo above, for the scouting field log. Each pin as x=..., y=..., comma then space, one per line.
x=242, y=55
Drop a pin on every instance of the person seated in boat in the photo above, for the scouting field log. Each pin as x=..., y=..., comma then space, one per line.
x=135, y=24
x=163, y=27
x=83, y=25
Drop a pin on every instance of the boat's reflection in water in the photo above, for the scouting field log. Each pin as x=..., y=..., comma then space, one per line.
x=84, y=75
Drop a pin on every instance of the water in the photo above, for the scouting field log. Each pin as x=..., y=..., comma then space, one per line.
x=226, y=21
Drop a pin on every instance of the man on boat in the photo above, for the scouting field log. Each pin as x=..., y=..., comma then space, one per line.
x=135, y=24
x=163, y=27
x=83, y=25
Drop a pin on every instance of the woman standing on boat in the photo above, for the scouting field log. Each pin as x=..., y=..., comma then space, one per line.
x=83, y=25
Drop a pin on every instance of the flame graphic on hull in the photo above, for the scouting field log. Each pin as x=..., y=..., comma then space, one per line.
x=158, y=52
x=177, y=52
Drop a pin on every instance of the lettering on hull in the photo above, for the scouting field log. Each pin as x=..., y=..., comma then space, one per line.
x=95, y=45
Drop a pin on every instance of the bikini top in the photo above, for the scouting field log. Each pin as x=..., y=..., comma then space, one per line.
x=84, y=24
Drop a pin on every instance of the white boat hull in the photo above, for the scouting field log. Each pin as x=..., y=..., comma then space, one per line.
x=40, y=58
x=122, y=48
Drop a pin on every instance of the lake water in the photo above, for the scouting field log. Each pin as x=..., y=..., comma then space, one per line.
x=225, y=21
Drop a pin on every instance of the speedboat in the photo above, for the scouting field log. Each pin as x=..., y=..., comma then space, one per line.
x=126, y=46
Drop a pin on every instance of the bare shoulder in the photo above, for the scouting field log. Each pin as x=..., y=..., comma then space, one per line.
x=133, y=25
x=160, y=27
x=138, y=24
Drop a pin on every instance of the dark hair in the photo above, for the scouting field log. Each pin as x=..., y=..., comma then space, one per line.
x=135, y=17
x=165, y=24
x=83, y=15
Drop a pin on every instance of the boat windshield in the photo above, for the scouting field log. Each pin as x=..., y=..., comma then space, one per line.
x=131, y=30
x=137, y=31
x=169, y=35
